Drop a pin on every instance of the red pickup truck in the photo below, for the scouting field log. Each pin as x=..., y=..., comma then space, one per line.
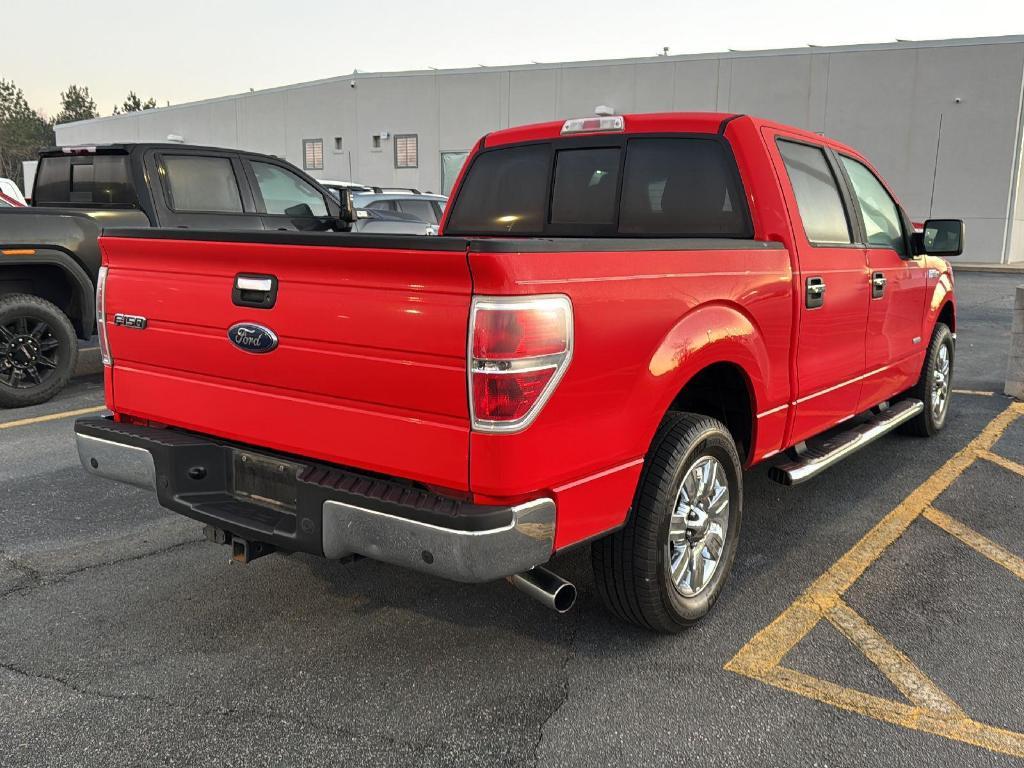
x=621, y=314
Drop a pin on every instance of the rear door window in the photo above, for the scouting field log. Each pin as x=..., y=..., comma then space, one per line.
x=817, y=193
x=201, y=184
x=422, y=209
x=286, y=193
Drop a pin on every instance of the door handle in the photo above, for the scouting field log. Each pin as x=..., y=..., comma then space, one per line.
x=256, y=291
x=878, y=283
x=815, y=292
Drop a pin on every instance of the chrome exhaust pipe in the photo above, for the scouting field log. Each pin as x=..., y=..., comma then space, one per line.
x=546, y=587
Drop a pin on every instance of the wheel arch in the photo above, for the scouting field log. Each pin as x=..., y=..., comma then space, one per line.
x=55, y=276
x=715, y=363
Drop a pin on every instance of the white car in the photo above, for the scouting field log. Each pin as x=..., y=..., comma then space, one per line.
x=10, y=189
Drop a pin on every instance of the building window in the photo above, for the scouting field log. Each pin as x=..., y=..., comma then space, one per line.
x=338, y=144
x=406, y=151
x=375, y=142
x=313, y=154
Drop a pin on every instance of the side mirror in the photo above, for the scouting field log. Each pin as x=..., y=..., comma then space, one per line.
x=348, y=209
x=940, y=237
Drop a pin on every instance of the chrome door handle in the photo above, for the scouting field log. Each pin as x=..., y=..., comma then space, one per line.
x=878, y=283
x=815, y=292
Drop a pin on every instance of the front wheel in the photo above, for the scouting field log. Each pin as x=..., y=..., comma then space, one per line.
x=934, y=387
x=38, y=350
x=667, y=566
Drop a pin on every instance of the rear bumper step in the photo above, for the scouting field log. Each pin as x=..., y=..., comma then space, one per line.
x=318, y=509
x=822, y=454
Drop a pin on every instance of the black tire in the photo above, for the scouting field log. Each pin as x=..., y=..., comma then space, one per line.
x=632, y=565
x=931, y=419
x=38, y=350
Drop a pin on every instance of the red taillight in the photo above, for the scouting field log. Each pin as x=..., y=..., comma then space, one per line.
x=101, y=316
x=519, y=349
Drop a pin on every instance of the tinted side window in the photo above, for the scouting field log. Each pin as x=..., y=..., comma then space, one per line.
x=684, y=187
x=882, y=223
x=421, y=209
x=286, y=193
x=585, y=186
x=90, y=179
x=201, y=184
x=817, y=193
x=504, y=192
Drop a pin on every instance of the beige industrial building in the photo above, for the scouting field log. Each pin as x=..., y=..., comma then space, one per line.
x=942, y=120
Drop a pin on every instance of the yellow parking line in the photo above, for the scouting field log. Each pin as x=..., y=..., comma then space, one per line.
x=50, y=417
x=1003, y=462
x=930, y=709
x=893, y=663
x=978, y=392
x=977, y=542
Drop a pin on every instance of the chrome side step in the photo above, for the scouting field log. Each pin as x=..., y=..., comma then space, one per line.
x=822, y=454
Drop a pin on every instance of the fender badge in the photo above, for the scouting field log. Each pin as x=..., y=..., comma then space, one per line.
x=252, y=337
x=130, y=321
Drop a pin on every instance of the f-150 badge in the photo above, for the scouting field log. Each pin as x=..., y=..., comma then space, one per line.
x=252, y=337
x=130, y=321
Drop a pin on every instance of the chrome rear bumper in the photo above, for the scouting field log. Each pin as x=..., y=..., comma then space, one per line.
x=338, y=512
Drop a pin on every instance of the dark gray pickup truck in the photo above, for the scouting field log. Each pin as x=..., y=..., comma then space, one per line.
x=49, y=257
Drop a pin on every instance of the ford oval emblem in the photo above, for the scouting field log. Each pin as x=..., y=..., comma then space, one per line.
x=252, y=337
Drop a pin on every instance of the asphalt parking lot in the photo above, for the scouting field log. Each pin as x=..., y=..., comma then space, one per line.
x=874, y=617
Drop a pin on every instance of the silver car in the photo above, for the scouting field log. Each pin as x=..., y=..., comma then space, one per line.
x=427, y=208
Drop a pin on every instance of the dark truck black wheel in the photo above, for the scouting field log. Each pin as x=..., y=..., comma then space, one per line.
x=667, y=566
x=38, y=350
x=934, y=387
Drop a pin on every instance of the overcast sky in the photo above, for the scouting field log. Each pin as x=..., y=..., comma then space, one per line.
x=193, y=49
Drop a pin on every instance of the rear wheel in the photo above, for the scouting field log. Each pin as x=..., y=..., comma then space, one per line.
x=667, y=566
x=934, y=387
x=38, y=350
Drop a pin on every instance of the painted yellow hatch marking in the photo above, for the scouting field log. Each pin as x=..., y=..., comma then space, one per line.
x=927, y=707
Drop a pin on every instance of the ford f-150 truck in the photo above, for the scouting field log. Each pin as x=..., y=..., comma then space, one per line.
x=621, y=314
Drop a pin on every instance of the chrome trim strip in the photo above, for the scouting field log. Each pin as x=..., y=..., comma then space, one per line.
x=847, y=383
x=468, y=556
x=116, y=461
x=782, y=407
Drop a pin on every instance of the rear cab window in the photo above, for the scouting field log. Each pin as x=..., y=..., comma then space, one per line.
x=85, y=180
x=605, y=186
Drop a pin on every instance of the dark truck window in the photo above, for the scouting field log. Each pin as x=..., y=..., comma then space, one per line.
x=670, y=187
x=85, y=180
x=504, y=193
x=817, y=194
x=585, y=186
x=683, y=187
x=202, y=184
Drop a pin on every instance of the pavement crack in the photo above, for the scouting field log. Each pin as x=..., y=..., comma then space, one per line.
x=570, y=653
x=83, y=691
x=39, y=578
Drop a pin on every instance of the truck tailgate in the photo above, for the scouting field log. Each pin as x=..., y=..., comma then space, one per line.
x=370, y=366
